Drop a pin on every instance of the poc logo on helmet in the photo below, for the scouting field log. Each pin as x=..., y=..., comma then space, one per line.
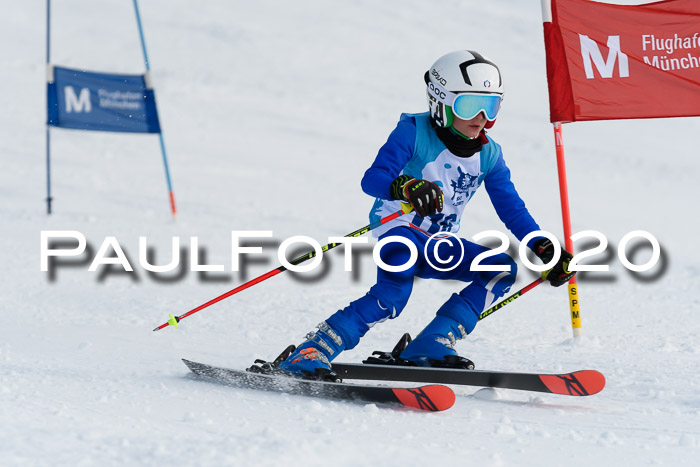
x=440, y=94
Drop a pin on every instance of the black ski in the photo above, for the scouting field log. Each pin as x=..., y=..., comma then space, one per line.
x=433, y=397
x=578, y=383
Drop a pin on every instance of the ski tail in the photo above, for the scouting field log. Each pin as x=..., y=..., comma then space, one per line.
x=433, y=398
x=579, y=383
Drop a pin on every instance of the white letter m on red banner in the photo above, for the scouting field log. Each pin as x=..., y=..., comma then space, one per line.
x=591, y=53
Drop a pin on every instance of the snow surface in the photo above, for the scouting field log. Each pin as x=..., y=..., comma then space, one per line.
x=272, y=111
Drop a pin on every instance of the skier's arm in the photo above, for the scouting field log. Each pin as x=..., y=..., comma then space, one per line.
x=507, y=202
x=512, y=211
x=391, y=159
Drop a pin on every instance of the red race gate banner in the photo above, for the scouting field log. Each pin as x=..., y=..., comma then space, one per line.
x=609, y=62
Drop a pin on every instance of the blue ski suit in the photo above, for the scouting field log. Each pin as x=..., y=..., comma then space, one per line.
x=414, y=149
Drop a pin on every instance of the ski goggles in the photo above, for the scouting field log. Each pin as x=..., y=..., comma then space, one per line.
x=467, y=105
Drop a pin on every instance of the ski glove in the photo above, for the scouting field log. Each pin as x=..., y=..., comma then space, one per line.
x=424, y=196
x=559, y=274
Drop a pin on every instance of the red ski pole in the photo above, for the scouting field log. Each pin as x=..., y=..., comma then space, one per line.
x=176, y=319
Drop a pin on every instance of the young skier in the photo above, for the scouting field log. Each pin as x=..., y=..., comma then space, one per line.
x=435, y=161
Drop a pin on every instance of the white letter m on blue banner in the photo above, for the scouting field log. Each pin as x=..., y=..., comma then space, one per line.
x=77, y=103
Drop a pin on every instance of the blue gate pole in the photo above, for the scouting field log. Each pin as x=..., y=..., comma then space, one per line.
x=160, y=133
x=48, y=132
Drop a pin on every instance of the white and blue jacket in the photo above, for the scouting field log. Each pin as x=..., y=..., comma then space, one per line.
x=414, y=149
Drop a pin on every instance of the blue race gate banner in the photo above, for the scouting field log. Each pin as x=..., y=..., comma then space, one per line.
x=86, y=100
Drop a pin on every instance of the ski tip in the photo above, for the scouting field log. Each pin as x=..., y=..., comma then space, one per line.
x=433, y=398
x=578, y=383
x=593, y=380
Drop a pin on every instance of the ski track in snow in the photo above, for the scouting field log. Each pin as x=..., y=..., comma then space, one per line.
x=272, y=111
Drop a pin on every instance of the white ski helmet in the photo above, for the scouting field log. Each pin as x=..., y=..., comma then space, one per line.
x=462, y=84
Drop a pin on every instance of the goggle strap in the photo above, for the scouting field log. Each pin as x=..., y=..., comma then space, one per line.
x=440, y=93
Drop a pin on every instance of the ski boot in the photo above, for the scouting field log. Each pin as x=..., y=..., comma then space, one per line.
x=312, y=359
x=434, y=347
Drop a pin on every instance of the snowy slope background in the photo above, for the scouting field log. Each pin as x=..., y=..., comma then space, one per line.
x=272, y=111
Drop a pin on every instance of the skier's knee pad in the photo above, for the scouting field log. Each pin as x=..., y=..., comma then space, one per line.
x=391, y=298
x=498, y=282
x=503, y=286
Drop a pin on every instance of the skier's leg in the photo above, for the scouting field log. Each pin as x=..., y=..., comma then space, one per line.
x=343, y=330
x=458, y=316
